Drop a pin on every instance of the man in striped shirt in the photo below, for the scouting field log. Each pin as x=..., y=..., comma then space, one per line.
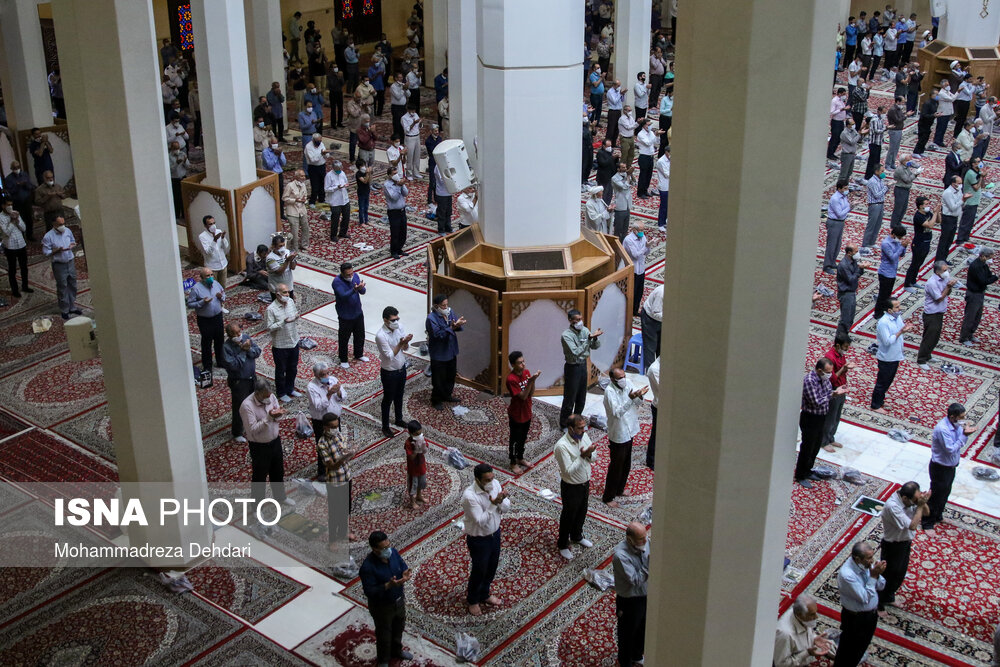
x=816, y=393
x=876, y=133
x=875, y=182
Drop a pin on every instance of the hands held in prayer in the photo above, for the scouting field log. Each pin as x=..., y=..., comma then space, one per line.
x=951, y=283
x=595, y=334
x=878, y=568
x=291, y=319
x=276, y=413
x=906, y=328
x=332, y=389
x=245, y=345
x=360, y=286
x=587, y=452
x=840, y=391
x=820, y=646
x=968, y=429
x=406, y=339
x=502, y=496
x=398, y=581
x=535, y=376
x=459, y=322
x=922, y=498
x=905, y=241
x=220, y=295
x=637, y=393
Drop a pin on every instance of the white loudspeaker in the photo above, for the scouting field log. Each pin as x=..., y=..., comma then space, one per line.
x=453, y=162
x=81, y=334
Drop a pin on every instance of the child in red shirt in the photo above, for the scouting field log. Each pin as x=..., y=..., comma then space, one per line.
x=416, y=465
x=521, y=385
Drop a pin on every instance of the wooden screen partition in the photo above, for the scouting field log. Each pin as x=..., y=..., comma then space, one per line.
x=477, y=345
x=251, y=220
x=533, y=323
x=617, y=287
x=220, y=203
x=437, y=264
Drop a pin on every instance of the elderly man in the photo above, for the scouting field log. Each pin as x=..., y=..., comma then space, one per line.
x=395, y=191
x=482, y=503
x=261, y=417
x=596, y=213
x=574, y=454
x=816, y=393
x=295, y=196
x=978, y=279
x=577, y=342
x=348, y=288
x=280, y=263
x=901, y=516
x=58, y=245
x=651, y=317
x=391, y=342
x=17, y=185
x=315, y=153
x=947, y=442
x=442, y=327
x=637, y=248
x=858, y=581
x=936, y=291
x=215, y=249
x=384, y=574
x=326, y=395
x=239, y=354
x=621, y=403
x=411, y=139
x=796, y=641
x=335, y=186
x=206, y=298
x=631, y=568
x=14, y=247
x=49, y=197
x=281, y=320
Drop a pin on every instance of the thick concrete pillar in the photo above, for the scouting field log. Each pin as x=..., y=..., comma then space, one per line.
x=267, y=64
x=135, y=275
x=224, y=87
x=526, y=204
x=22, y=66
x=728, y=439
x=463, y=58
x=631, y=54
x=436, y=39
x=961, y=25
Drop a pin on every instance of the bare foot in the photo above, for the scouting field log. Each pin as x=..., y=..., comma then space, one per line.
x=408, y=504
x=829, y=448
x=836, y=444
x=351, y=537
x=881, y=411
x=883, y=614
x=525, y=464
x=421, y=500
x=614, y=504
x=516, y=469
x=475, y=610
x=493, y=600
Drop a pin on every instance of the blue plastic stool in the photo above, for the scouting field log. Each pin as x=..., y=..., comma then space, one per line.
x=634, y=347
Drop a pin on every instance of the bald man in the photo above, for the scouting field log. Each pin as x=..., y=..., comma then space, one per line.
x=796, y=641
x=631, y=568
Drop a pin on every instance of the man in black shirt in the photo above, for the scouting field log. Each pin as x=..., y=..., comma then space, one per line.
x=928, y=111
x=848, y=273
x=607, y=167
x=979, y=278
x=383, y=574
x=924, y=220
x=895, y=118
x=913, y=89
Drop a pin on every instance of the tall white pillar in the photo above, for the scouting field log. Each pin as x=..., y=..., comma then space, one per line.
x=631, y=54
x=962, y=25
x=22, y=66
x=267, y=64
x=727, y=439
x=463, y=59
x=121, y=173
x=521, y=89
x=436, y=39
x=224, y=89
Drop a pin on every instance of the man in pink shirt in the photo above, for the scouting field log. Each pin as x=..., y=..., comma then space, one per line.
x=838, y=114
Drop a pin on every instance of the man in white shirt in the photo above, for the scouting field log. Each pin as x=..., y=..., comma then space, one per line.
x=663, y=183
x=627, y=125
x=651, y=317
x=483, y=502
x=315, y=153
x=641, y=93
x=411, y=139
x=574, y=454
x=621, y=403
x=653, y=375
x=177, y=132
x=796, y=642
x=647, y=140
x=281, y=320
x=901, y=516
x=335, y=186
x=280, y=263
x=398, y=94
x=12, y=231
x=215, y=249
x=394, y=155
x=326, y=395
x=636, y=246
x=468, y=207
x=391, y=342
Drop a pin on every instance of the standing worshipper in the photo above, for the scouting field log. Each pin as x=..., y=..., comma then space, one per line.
x=936, y=291
x=348, y=288
x=616, y=98
x=641, y=91
x=657, y=68
x=858, y=581
x=432, y=141
x=442, y=196
x=17, y=186
x=261, y=417
x=627, y=125
x=363, y=189
x=876, y=189
x=596, y=81
x=354, y=109
x=928, y=112
x=630, y=565
x=837, y=210
x=952, y=200
x=663, y=185
x=49, y=197
x=276, y=104
x=796, y=641
x=442, y=327
x=903, y=175
x=335, y=455
x=179, y=166
x=335, y=89
x=816, y=394
x=651, y=318
x=947, y=442
x=588, y=152
x=206, y=298
x=666, y=118
x=849, y=139
x=521, y=386
x=621, y=403
x=841, y=366
x=274, y=160
x=607, y=167
x=577, y=342
x=58, y=245
x=295, y=35
x=239, y=356
x=889, y=339
x=637, y=248
x=215, y=249
x=281, y=320
x=295, y=196
x=398, y=95
x=335, y=186
x=893, y=248
x=280, y=262
x=946, y=109
x=647, y=140
x=315, y=153
x=309, y=123
x=14, y=248
x=384, y=574
x=876, y=134
x=574, y=454
x=622, y=185
x=482, y=503
x=411, y=133
x=395, y=192
x=978, y=279
x=366, y=141
x=963, y=100
x=838, y=114
x=596, y=213
x=41, y=154
x=895, y=118
x=972, y=194
x=848, y=273
x=392, y=342
x=924, y=220
x=859, y=102
x=902, y=514
x=989, y=116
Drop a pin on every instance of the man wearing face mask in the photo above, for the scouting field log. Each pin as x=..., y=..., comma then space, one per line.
x=596, y=81
x=411, y=131
x=366, y=142
x=384, y=574
x=858, y=581
x=876, y=134
x=978, y=279
x=838, y=114
x=49, y=197
x=239, y=353
x=946, y=108
x=14, y=247
x=442, y=340
x=889, y=338
x=315, y=153
x=952, y=200
x=18, y=187
x=177, y=132
x=892, y=249
x=41, y=153
x=936, y=291
x=574, y=454
x=577, y=342
x=796, y=641
x=326, y=396
x=928, y=112
x=483, y=502
x=206, y=299
x=309, y=124
x=641, y=92
x=275, y=160
x=904, y=175
x=281, y=319
x=215, y=250
x=816, y=393
x=261, y=417
x=895, y=118
x=354, y=110
x=631, y=568
x=901, y=516
x=58, y=244
x=848, y=274
x=348, y=288
x=849, y=139
x=637, y=248
x=972, y=194
x=295, y=196
x=335, y=186
x=432, y=141
x=621, y=403
x=391, y=342
x=263, y=136
x=607, y=167
x=924, y=220
x=521, y=386
x=838, y=208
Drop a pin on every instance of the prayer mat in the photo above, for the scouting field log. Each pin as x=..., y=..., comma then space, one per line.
x=249, y=649
x=39, y=457
x=244, y=587
x=40, y=275
x=54, y=389
x=20, y=346
x=9, y=425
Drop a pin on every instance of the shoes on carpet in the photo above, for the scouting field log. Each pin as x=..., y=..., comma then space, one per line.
x=295, y=394
x=65, y=316
x=387, y=432
x=969, y=343
x=403, y=655
x=362, y=358
x=285, y=399
x=805, y=483
x=401, y=422
x=240, y=439
x=924, y=367
x=404, y=254
x=437, y=406
x=452, y=399
x=28, y=290
x=345, y=365
x=814, y=477
x=583, y=542
x=395, y=256
x=910, y=290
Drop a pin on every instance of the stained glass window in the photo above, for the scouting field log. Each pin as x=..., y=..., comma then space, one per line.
x=348, y=11
x=369, y=7
x=184, y=26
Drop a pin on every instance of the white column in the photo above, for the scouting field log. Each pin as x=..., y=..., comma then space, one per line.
x=733, y=374
x=962, y=25
x=631, y=54
x=135, y=275
x=22, y=66
x=523, y=202
x=436, y=39
x=224, y=89
x=267, y=64
x=463, y=58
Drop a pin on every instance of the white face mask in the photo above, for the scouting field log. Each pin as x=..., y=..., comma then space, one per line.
x=445, y=312
x=282, y=298
x=50, y=182
x=60, y=229
x=274, y=147
x=578, y=325
x=609, y=148
x=394, y=325
x=809, y=624
x=418, y=439
x=212, y=228
x=621, y=382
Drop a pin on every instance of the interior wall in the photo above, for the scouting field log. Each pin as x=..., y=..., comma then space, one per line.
x=394, y=15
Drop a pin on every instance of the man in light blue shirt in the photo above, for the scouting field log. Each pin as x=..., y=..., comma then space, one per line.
x=206, y=299
x=630, y=565
x=890, y=330
x=947, y=442
x=837, y=210
x=858, y=581
x=893, y=247
x=58, y=244
x=876, y=204
x=616, y=97
x=936, y=291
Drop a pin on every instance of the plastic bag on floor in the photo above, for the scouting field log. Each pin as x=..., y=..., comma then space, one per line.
x=899, y=434
x=599, y=421
x=466, y=647
x=602, y=580
x=951, y=369
x=603, y=381
x=303, y=426
x=179, y=585
x=252, y=316
x=872, y=349
x=41, y=325
x=307, y=343
x=264, y=297
x=456, y=459
x=459, y=410
x=346, y=570
x=985, y=474
x=646, y=516
x=825, y=472
x=824, y=290
x=853, y=476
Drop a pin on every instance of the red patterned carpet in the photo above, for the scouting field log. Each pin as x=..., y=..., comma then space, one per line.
x=249, y=649
x=244, y=587
x=36, y=456
x=20, y=346
x=54, y=389
x=241, y=300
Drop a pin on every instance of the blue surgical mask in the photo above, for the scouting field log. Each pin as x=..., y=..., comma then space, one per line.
x=208, y=281
x=575, y=436
x=640, y=234
x=325, y=380
x=882, y=175
x=385, y=554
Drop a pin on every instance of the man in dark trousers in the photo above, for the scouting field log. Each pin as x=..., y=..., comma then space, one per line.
x=577, y=342
x=901, y=516
x=348, y=287
x=240, y=353
x=859, y=581
x=928, y=113
x=631, y=568
x=947, y=442
x=849, y=272
x=442, y=341
x=206, y=298
x=978, y=279
x=482, y=503
x=384, y=574
x=607, y=166
x=816, y=393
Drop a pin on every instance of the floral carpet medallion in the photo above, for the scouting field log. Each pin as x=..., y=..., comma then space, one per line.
x=55, y=389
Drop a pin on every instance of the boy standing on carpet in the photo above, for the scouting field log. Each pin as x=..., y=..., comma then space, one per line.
x=416, y=464
x=521, y=385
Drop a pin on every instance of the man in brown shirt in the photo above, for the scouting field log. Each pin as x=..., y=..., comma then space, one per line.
x=49, y=197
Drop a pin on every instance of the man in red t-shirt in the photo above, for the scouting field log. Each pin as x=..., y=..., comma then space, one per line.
x=838, y=355
x=521, y=385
